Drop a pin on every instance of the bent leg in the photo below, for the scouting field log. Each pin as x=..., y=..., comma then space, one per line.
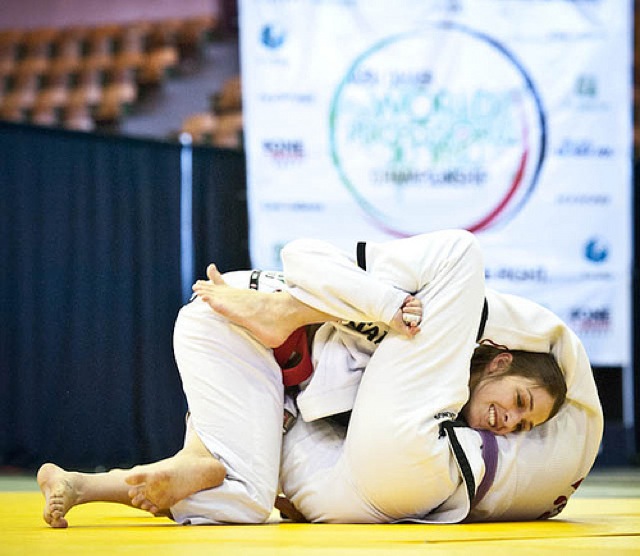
x=235, y=393
x=235, y=396
x=271, y=317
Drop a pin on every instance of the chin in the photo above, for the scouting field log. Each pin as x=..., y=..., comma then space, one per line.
x=469, y=420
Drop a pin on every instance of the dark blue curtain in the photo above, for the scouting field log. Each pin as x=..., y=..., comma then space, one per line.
x=636, y=308
x=220, y=210
x=90, y=287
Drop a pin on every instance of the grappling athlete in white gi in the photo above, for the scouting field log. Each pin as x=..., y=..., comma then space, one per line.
x=393, y=463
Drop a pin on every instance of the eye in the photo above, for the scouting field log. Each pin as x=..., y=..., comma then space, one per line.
x=519, y=403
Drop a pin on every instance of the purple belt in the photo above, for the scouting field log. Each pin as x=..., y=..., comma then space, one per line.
x=490, y=457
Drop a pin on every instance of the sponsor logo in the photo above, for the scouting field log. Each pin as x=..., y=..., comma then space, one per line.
x=284, y=152
x=586, y=95
x=601, y=276
x=272, y=36
x=288, y=96
x=410, y=133
x=583, y=148
x=517, y=274
x=596, y=250
x=590, y=319
x=293, y=206
x=586, y=86
x=584, y=199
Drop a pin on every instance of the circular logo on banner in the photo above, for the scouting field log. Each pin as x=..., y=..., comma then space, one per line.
x=440, y=128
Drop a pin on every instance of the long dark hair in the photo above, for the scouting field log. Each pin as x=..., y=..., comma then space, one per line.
x=542, y=368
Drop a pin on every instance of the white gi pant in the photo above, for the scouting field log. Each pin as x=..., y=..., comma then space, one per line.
x=235, y=396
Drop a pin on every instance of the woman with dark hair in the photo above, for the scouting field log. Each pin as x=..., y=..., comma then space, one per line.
x=490, y=362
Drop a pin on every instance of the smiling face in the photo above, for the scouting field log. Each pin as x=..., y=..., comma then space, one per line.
x=506, y=403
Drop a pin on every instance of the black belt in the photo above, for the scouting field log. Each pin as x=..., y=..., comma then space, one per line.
x=361, y=257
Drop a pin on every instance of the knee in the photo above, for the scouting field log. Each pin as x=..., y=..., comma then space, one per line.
x=229, y=503
x=465, y=239
x=468, y=247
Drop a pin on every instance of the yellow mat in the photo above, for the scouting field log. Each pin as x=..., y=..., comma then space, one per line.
x=588, y=526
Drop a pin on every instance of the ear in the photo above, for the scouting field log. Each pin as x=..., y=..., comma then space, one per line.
x=499, y=364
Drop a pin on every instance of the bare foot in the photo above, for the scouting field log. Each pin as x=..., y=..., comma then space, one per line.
x=273, y=317
x=270, y=317
x=158, y=486
x=60, y=493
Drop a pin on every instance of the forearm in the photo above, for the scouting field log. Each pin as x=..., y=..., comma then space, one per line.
x=329, y=279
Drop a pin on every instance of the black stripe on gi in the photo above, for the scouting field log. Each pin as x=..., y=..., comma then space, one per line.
x=447, y=427
x=361, y=255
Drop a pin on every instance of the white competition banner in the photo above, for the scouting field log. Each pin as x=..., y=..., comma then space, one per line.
x=373, y=120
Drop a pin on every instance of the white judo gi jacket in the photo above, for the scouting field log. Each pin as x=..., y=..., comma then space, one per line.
x=337, y=478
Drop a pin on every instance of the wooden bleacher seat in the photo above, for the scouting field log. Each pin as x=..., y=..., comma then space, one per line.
x=98, y=61
x=116, y=101
x=12, y=109
x=10, y=45
x=37, y=50
x=7, y=66
x=5, y=80
x=88, y=76
x=20, y=98
x=78, y=117
x=87, y=88
x=134, y=37
x=103, y=38
x=202, y=127
x=131, y=48
x=55, y=92
x=163, y=33
x=11, y=36
x=192, y=34
x=229, y=132
x=100, y=46
x=157, y=65
x=68, y=50
x=229, y=97
x=47, y=108
x=39, y=43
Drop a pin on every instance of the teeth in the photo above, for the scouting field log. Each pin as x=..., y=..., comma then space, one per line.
x=492, y=416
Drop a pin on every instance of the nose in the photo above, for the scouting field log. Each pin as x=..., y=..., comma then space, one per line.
x=512, y=418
